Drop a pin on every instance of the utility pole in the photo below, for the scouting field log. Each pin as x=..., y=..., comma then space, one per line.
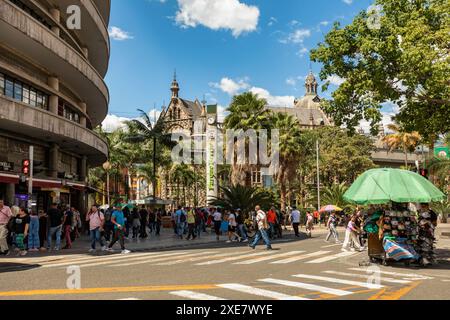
x=318, y=176
x=30, y=180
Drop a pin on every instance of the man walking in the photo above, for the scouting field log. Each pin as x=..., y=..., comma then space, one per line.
x=68, y=225
x=272, y=219
x=118, y=220
x=96, y=220
x=180, y=216
x=261, y=220
x=55, y=219
x=143, y=213
x=295, y=218
x=331, y=226
x=5, y=216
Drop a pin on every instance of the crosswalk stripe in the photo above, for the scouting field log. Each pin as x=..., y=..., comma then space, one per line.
x=367, y=276
x=260, y=259
x=414, y=276
x=194, y=295
x=308, y=286
x=242, y=256
x=259, y=292
x=170, y=263
x=162, y=258
x=99, y=259
x=301, y=257
x=342, y=281
x=332, y=245
x=333, y=257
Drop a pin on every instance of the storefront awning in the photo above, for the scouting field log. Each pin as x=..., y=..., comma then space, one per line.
x=9, y=178
x=41, y=183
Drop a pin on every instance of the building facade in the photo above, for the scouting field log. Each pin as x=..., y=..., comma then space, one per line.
x=52, y=95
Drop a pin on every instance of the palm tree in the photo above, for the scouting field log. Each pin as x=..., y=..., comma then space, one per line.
x=183, y=176
x=246, y=111
x=244, y=198
x=334, y=194
x=400, y=139
x=144, y=131
x=442, y=208
x=290, y=151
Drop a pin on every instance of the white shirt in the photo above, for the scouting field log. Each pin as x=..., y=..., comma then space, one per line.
x=232, y=220
x=260, y=218
x=217, y=216
x=295, y=216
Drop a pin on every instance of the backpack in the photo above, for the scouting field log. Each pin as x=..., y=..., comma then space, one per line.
x=182, y=217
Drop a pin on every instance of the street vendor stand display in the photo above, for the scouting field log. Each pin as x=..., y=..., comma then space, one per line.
x=395, y=233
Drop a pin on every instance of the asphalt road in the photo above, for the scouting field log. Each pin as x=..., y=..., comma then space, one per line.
x=302, y=269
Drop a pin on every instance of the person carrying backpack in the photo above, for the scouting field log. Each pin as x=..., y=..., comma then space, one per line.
x=96, y=221
x=181, y=220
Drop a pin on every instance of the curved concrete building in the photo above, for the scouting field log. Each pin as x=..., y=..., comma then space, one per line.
x=54, y=55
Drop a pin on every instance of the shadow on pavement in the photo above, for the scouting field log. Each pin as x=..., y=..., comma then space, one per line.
x=14, y=267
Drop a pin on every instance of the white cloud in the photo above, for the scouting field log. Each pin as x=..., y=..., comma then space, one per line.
x=113, y=123
x=273, y=100
x=335, y=80
x=231, y=86
x=291, y=82
x=386, y=119
x=218, y=14
x=272, y=21
x=324, y=23
x=301, y=53
x=348, y=1
x=296, y=37
x=118, y=34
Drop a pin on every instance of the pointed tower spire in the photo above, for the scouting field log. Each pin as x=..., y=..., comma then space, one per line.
x=175, y=88
x=311, y=84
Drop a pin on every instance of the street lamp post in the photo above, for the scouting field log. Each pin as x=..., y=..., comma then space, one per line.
x=107, y=166
x=318, y=175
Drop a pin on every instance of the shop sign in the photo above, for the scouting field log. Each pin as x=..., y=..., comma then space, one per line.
x=7, y=166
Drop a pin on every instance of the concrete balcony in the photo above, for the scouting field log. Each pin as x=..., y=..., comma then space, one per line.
x=25, y=120
x=93, y=33
x=104, y=7
x=40, y=45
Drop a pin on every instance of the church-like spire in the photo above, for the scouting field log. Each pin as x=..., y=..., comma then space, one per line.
x=175, y=88
x=311, y=84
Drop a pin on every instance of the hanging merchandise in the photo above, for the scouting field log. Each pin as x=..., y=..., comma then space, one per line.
x=426, y=240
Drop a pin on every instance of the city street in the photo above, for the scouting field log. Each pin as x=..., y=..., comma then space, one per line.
x=295, y=270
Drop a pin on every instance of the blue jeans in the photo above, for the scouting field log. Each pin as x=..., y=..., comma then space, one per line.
x=33, y=233
x=261, y=234
x=95, y=236
x=180, y=228
x=242, y=232
x=52, y=231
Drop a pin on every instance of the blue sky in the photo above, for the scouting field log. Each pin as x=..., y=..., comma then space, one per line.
x=218, y=47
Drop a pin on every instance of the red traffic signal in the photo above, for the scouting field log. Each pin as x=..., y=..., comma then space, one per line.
x=26, y=167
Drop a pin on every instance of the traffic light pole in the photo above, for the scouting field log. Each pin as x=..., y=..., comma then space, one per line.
x=30, y=180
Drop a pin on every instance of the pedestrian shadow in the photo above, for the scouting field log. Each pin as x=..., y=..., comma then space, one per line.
x=15, y=267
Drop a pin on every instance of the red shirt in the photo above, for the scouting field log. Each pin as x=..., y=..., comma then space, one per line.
x=316, y=214
x=271, y=216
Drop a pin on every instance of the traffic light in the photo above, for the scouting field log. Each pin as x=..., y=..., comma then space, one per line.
x=38, y=167
x=26, y=167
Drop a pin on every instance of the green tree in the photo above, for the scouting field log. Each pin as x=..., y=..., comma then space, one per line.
x=442, y=208
x=405, y=61
x=400, y=139
x=183, y=176
x=246, y=111
x=244, y=198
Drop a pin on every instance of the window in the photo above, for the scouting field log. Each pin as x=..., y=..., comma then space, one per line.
x=2, y=84
x=256, y=177
x=26, y=94
x=33, y=97
x=45, y=102
x=39, y=102
x=18, y=90
x=9, y=88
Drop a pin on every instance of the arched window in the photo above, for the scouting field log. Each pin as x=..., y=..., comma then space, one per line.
x=179, y=113
x=170, y=115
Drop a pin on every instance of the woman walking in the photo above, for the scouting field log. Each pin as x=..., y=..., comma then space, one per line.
x=33, y=237
x=21, y=225
x=217, y=218
x=331, y=225
x=351, y=236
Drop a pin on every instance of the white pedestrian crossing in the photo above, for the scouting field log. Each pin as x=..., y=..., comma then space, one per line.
x=237, y=257
x=333, y=257
x=259, y=292
x=194, y=295
x=307, y=286
x=301, y=257
x=341, y=281
x=162, y=257
x=275, y=256
x=408, y=276
x=170, y=263
x=384, y=279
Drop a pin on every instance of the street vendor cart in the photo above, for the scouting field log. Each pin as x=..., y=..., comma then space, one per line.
x=393, y=231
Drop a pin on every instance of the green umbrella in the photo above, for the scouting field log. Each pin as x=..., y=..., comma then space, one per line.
x=379, y=186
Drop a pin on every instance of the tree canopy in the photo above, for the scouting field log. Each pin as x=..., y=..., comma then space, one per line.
x=403, y=60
